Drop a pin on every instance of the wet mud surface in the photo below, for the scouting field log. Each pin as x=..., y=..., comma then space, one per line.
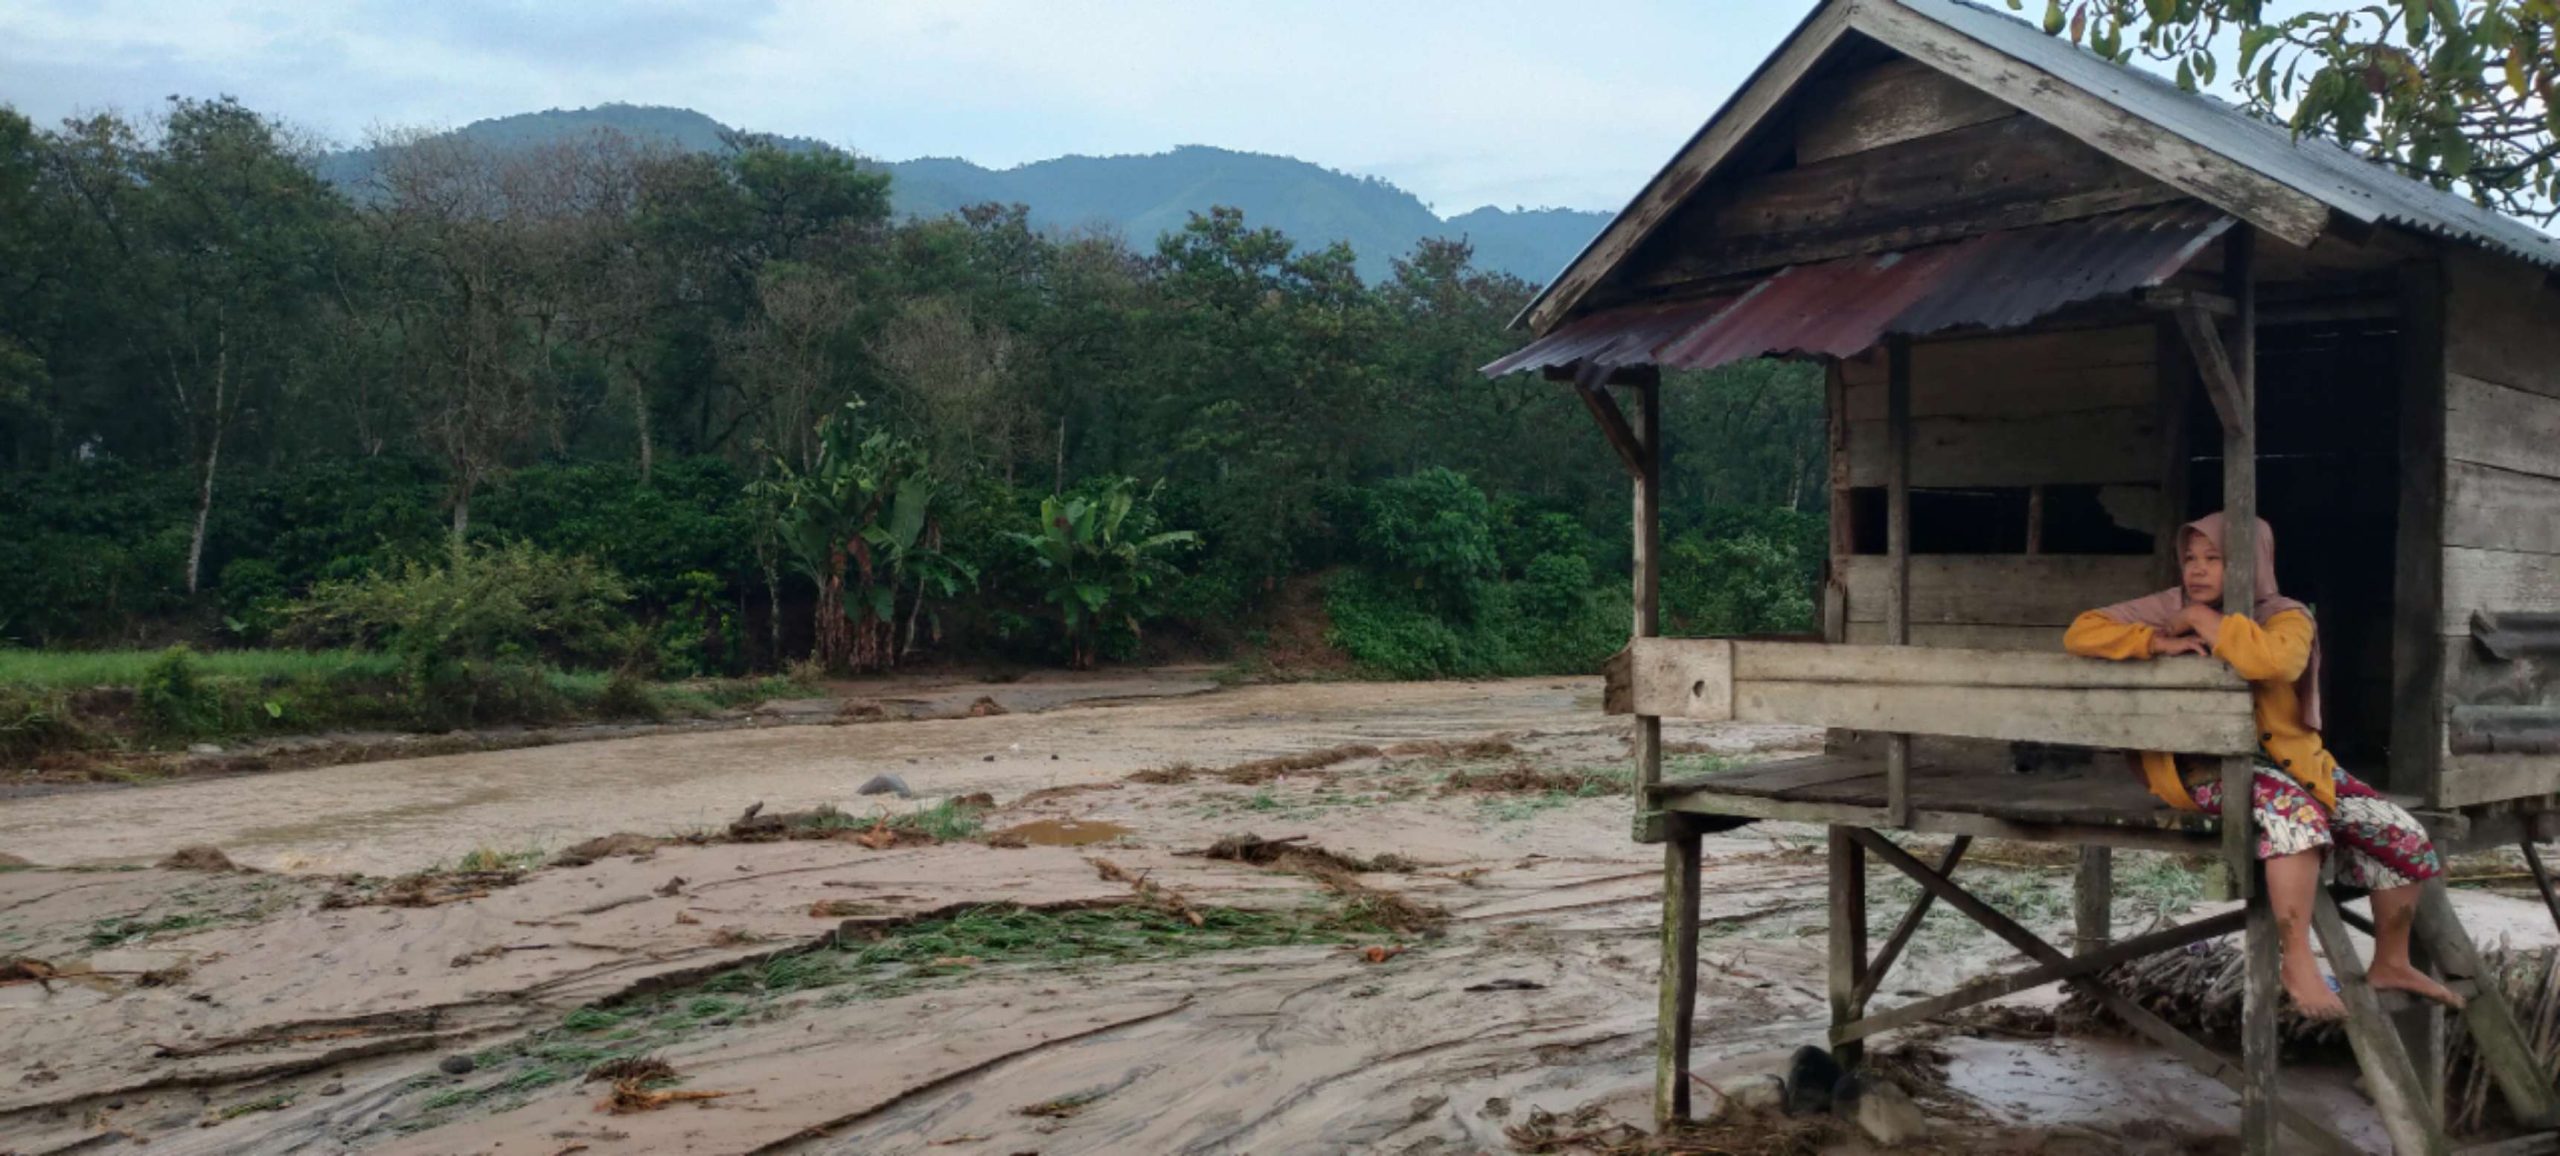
x=1333, y=918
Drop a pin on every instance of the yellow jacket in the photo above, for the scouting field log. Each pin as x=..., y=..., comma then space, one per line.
x=2272, y=657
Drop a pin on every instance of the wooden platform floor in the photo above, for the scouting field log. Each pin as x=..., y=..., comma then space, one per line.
x=2102, y=804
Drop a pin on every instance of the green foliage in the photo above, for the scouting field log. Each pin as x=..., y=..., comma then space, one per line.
x=2456, y=93
x=1745, y=572
x=862, y=524
x=1101, y=559
x=509, y=603
x=1434, y=531
x=173, y=698
x=1394, y=631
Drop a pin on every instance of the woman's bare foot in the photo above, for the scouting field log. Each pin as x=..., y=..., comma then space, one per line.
x=2402, y=977
x=2310, y=989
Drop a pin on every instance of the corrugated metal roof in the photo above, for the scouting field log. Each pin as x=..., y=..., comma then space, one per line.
x=2315, y=168
x=1841, y=307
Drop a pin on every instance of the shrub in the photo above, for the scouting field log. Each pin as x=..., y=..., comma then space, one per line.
x=1099, y=560
x=1432, y=530
x=253, y=598
x=173, y=698
x=1747, y=584
x=495, y=605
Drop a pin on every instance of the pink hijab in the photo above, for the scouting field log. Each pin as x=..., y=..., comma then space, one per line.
x=2159, y=610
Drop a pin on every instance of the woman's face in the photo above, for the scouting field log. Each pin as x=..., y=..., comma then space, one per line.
x=2201, y=571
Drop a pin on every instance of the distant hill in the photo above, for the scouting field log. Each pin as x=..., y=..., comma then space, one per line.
x=1140, y=196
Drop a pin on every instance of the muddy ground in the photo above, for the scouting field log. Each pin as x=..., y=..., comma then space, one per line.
x=1306, y=918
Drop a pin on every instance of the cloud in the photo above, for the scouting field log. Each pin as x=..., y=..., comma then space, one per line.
x=1498, y=102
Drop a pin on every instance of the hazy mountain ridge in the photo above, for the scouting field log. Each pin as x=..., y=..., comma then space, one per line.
x=1141, y=196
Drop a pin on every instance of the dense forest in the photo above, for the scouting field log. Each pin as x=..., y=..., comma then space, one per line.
x=598, y=402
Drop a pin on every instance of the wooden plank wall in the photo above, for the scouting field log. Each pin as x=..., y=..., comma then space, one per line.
x=2060, y=407
x=2502, y=502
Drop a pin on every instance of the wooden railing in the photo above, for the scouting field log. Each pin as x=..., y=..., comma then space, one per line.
x=2188, y=706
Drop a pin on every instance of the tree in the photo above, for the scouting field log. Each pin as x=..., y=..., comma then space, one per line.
x=863, y=526
x=2457, y=93
x=1101, y=560
x=233, y=231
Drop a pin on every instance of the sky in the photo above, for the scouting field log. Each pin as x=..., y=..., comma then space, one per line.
x=1496, y=102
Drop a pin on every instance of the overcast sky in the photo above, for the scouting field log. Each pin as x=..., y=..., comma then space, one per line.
x=1465, y=104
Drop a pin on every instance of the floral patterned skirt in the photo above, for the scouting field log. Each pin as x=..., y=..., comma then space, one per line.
x=2382, y=846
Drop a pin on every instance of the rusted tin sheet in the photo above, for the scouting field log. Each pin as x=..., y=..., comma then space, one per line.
x=1841, y=307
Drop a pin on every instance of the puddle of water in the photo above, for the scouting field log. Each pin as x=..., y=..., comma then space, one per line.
x=1062, y=833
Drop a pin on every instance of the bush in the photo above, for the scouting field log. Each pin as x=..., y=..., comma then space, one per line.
x=253, y=598
x=174, y=700
x=1432, y=530
x=508, y=604
x=1747, y=584
x=1521, y=628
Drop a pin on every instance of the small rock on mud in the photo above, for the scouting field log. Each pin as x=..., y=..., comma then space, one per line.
x=1811, y=1075
x=201, y=857
x=606, y=846
x=1882, y=1110
x=9, y=860
x=458, y=1064
x=332, y=1089
x=886, y=785
x=986, y=706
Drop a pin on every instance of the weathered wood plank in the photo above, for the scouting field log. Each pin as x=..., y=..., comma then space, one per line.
x=1973, y=636
x=1882, y=965
x=2016, y=589
x=2417, y=568
x=2089, y=447
x=1922, y=666
x=1647, y=513
x=2389, y=1077
x=2102, y=124
x=1848, y=935
x=2502, y=323
x=2199, y=721
x=1715, y=141
x=1895, y=101
x=2490, y=1018
x=2043, y=355
x=1673, y=1024
x=2000, y=174
x=2086, y=963
x=1689, y=678
x=2093, y=893
x=1897, y=552
x=2471, y=780
x=2499, y=425
x=2496, y=509
x=2235, y=389
x=2489, y=580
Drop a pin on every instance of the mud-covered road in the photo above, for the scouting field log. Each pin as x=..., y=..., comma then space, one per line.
x=1315, y=918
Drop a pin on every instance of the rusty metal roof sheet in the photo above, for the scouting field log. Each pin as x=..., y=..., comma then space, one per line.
x=1841, y=307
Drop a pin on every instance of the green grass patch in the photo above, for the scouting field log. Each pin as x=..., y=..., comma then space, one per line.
x=119, y=931
x=901, y=959
x=77, y=669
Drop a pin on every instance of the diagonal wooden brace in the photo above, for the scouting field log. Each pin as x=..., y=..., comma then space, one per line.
x=2221, y=379
x=1902, y=932
x=2388, y=1075
x=1590, y=382
x=2488, y=1015
x=2314, y=1135
x=2166, y=939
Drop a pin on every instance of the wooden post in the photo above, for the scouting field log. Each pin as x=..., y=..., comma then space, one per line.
x=1848, y=936
x=1648, y=586
x=2417, y=584
x=2176, y=385
x=2388, y=1077
x=2093, y=893
x=1897, y=610
x=1679, y=1000
x=1835, y=588
x=2261, y=989
x=2501, y=1042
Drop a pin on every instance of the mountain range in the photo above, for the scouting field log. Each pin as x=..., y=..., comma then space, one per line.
x=1139, y=196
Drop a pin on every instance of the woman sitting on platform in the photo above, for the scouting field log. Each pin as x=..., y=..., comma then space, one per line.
x=2303, y=800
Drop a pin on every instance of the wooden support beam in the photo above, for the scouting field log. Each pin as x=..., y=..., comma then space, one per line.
x=2389, y=1078
x=2489, y=1017
x=2417, y=574
x=2221, y=378
x=1897, y=607
x=1646, y=438
x=1681, y=854
x=2090, y=964
x=2093, y=893
x=2259, y=1043
x=1882, y=964
x=2314, y=1135
x=1612, y=421
x=2176, y=300
x=1848, y=933
x=2541, y=878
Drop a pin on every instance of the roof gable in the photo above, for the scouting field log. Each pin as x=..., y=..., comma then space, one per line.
x=2193, y=144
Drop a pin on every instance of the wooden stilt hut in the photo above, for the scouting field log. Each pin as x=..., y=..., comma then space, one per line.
x=2065, y=307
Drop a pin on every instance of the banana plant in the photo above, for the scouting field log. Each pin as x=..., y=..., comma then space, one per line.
x=1100, y=560
x=860, y=523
